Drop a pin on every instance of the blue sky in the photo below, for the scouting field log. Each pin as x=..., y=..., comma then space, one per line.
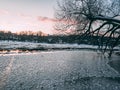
x=20, y=15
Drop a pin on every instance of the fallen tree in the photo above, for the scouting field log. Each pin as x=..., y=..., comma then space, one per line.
x=92, y=18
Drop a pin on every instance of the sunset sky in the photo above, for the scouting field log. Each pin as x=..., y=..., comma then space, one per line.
x=21, y=15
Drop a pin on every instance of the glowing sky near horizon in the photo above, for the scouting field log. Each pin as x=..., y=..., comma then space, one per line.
x=20, y=15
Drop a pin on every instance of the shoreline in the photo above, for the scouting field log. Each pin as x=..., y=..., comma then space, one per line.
x=37, y=50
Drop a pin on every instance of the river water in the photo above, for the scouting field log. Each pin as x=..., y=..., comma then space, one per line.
x=58, y=70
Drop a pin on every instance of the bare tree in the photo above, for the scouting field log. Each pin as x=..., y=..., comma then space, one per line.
x=92, y=18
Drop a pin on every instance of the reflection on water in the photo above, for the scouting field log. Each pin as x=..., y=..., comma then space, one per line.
x=14, y=52
x=10, y=51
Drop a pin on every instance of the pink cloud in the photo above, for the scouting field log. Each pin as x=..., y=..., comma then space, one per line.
x=3, y=12
x=46, y=19
x=18, y=21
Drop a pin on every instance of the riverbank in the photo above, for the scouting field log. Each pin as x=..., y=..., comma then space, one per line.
x=14, y=47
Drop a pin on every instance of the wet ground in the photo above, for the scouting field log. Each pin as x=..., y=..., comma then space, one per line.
x=58, y=70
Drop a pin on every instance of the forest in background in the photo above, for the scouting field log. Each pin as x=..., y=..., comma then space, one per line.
x=39, y=37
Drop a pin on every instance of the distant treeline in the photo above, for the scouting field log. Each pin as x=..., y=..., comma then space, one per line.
x=28, y=36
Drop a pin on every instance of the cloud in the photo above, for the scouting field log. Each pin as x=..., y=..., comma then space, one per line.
x=3, y=12
x=46, y=19
x=17, y=22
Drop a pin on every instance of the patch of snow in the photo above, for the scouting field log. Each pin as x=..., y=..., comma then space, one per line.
x=14, y=45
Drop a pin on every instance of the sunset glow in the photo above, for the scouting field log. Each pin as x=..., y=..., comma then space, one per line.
x=27, y=15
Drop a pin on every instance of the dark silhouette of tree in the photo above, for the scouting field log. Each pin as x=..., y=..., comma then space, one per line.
x=90, y=18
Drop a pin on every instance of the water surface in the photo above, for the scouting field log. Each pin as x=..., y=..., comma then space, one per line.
x=59, y=70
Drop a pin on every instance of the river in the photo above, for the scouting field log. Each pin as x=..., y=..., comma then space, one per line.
x=58, y=70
